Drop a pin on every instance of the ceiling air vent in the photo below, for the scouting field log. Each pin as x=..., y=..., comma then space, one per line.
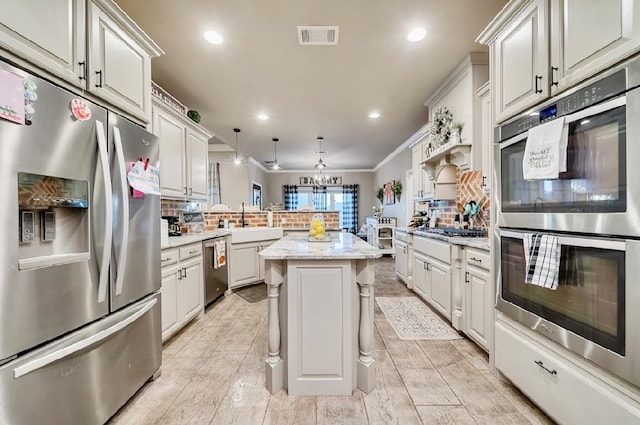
x=318, y=35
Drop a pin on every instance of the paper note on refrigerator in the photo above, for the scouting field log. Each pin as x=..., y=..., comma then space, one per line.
x=11, y=96
x=143, y=179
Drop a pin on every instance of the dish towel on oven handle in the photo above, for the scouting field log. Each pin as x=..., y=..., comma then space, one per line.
x=545, y=152
x=542, y=260
x=219, y=253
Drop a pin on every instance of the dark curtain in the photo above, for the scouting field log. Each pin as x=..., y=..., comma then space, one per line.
x=320, y=198
x=290, y=197
x=350, y=207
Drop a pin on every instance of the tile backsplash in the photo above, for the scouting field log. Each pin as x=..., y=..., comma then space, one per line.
x=286, y=219
x=468, y=188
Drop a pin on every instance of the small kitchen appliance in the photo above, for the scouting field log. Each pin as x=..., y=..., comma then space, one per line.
x=174, y=225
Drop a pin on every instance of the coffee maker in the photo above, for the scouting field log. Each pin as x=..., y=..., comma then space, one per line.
x=174, y=225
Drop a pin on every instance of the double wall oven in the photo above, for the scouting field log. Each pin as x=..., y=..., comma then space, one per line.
x=594, y=210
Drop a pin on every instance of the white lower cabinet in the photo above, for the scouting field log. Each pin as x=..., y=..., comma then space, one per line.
x=432, y=273
x=478, y=306
x=566, y=391
x=182, y=287
x=245, y=265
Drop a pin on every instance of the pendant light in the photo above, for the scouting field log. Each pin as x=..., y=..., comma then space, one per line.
x=320, y=165
x=237, y=160
x=275, y=164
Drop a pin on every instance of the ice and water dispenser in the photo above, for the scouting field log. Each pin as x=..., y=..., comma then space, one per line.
x=53, y=219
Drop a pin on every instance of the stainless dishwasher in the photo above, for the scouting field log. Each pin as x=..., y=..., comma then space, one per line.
x=216, y=281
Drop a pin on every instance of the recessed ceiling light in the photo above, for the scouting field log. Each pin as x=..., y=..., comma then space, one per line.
x=416, y=34
x=213, y=37
x=374, y=115
x=263, y=117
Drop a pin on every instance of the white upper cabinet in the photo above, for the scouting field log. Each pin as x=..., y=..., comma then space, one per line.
x=49, y=32
x=589, y=35
x=90, y=44
x=184, y=153
x=521, y=61
x=119, y=69
x=171, y=133
x=198, y=153
x=542, y=47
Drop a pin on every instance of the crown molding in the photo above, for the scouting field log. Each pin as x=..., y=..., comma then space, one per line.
x=257, y=164
x=502, y=18
x=412, y=140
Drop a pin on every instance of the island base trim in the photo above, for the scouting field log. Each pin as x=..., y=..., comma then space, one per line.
x=366, y=381
x=274, y=376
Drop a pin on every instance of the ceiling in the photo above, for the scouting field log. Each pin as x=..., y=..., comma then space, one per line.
x=310, y=91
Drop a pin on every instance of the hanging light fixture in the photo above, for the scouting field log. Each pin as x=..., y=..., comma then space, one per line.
x=275, y=165
x=320, y=165
x=237, y=160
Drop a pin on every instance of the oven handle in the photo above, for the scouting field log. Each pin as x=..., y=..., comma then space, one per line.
x=593, y=110
x=616, y=245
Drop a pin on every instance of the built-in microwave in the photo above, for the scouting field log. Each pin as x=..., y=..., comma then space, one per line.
x=600, y=191
x=592, y=312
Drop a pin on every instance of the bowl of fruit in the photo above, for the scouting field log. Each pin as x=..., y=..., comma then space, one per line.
x=317, y=229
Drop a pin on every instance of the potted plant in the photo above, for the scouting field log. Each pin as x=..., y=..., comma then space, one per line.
x=380, y=194
x=456, y=132
x=396, y=188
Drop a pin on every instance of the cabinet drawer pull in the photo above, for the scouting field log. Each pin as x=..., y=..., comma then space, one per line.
x=554, y=69
x=99, y=73
x=550, y=371
x=193, y=252
x=538, y=79
x=476, y=259
x=164, y=260
x=83, y=70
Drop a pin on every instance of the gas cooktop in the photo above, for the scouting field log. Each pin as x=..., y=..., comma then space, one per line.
x=452, y=231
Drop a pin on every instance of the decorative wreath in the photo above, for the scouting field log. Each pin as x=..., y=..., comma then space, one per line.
x=441, y=126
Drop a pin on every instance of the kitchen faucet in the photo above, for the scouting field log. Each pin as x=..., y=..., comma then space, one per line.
x=242, y=222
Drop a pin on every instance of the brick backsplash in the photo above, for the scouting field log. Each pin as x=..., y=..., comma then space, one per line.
x=293, y=219
x=468, y=188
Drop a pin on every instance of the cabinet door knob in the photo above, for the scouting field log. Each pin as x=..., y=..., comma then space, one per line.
x=99, y=73
x=541, y=364
x=554, y=69
x=538, y=79
x=83, y=70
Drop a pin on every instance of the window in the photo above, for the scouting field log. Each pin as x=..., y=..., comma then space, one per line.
x=332, y=198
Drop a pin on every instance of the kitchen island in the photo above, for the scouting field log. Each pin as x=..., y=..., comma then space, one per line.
x=320, y=315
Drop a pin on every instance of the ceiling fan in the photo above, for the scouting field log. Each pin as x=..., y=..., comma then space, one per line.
x=274, y=165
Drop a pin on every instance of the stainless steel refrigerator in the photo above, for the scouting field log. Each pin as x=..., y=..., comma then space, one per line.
x=80, y=327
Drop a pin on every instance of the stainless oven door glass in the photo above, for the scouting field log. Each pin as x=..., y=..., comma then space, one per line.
x=595, y=180
x=589, y=300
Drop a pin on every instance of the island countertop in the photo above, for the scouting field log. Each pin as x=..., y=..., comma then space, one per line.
x=342, y=246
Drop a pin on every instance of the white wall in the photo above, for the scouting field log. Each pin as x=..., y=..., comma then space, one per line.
x=234, y=180
x=394, y=169
x=366, y=194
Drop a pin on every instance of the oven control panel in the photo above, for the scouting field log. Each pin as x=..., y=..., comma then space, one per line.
x=606, y=88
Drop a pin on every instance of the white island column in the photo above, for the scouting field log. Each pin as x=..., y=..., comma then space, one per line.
x=366, y=372
x=274, y=365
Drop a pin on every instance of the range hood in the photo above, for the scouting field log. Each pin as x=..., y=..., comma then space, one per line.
x=446, y=182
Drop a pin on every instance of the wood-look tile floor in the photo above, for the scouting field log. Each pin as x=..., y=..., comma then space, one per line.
x=213, y=373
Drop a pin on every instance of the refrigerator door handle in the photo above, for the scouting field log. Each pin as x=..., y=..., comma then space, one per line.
x=70, y=349
x=108, y=228
x=122, y=256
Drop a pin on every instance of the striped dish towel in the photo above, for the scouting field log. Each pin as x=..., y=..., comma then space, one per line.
x=542, y=260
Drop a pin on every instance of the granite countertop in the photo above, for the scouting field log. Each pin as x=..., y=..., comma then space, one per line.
x=474, y=242
x=188, y=238
x=343, y=246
